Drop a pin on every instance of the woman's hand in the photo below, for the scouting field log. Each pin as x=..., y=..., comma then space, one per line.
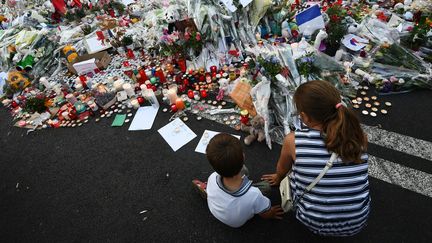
x=272, y=179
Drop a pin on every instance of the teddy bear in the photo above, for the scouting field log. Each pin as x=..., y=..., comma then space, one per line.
x=255, y=130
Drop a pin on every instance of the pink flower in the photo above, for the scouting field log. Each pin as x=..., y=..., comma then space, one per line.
x=187, y=35
x=198, y=36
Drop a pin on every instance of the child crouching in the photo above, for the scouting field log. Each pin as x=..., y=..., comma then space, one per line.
x=231, y=197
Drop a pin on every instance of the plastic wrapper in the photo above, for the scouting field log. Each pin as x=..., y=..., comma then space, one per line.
x=261, y=96
x=378, y=31
x=398, y=69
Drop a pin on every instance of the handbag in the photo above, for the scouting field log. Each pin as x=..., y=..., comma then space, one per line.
x=287, y=202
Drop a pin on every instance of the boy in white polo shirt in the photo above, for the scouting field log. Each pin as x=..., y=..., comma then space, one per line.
x=231, y=197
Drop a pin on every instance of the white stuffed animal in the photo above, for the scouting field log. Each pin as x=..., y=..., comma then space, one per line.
x=322, y=35
x=223, y=87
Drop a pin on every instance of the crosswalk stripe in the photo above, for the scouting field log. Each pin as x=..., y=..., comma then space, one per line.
x=395, y=141
x=408, y=178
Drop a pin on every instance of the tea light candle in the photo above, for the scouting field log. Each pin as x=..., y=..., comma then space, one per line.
x=135, y=103
x=71, y=98
x=129, y=89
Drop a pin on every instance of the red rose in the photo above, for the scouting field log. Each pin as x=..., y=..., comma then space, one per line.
x=294, y=33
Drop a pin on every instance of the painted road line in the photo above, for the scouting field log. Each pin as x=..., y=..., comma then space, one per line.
x=395, y=141
x=408, y=178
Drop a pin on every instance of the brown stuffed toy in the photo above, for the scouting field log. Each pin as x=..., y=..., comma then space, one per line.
x=255, y=130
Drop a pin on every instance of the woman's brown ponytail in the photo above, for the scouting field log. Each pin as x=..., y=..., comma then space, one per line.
x=340, y=125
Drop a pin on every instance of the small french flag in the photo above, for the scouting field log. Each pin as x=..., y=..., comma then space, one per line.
x=310, y=20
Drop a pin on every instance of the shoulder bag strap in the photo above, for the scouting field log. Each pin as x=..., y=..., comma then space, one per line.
x=319, y=177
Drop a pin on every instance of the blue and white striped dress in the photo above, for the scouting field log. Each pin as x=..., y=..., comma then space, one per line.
x=339, y=204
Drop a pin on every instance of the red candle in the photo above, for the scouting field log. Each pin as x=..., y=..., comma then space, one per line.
x=130, y=54
x=244, y=117
x=181, y=88
x=203, y=93
x=201, y=78
x=83, y=80
x=182, y=65
x=140, y=100
x=174, y=108
x=143, y=76
x=186, y=82
x=213, y=69
x=190, y=94
x=160, y=74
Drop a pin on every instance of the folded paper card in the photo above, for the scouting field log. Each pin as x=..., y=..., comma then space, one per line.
x=176, y=134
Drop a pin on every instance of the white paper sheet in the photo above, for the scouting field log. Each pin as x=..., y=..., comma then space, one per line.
x=176, y=134
x=94, y=45
x=144, y=118
x=205, y=139
x=85, y=67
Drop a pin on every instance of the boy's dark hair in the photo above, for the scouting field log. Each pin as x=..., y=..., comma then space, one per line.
x=225, y=154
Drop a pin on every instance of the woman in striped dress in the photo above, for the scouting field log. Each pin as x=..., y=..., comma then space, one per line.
x=339, y=204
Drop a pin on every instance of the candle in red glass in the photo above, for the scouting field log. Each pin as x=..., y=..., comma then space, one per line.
x=160, y=74
x=203, y=93
x=244, y=117
x=140, y=100
x=181, y=88
x=174, y=108
x=201, y=78
x=186, y=82
x=130, y=54
x=83, y=80
x=182, y=65
x=190, y=94
x=213, y=69
x=143, y=75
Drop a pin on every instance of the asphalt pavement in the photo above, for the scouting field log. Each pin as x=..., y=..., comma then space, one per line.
x=96, y=183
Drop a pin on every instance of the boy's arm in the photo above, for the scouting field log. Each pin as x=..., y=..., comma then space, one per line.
x=274, y=212
x=262, y=206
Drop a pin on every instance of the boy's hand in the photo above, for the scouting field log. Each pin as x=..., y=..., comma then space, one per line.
x=273, y=179
x=274, y=212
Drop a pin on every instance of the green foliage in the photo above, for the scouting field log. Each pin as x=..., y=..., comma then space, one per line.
x=127, y=40
x=336, y=28
x=35, y=104
x=271, y=67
